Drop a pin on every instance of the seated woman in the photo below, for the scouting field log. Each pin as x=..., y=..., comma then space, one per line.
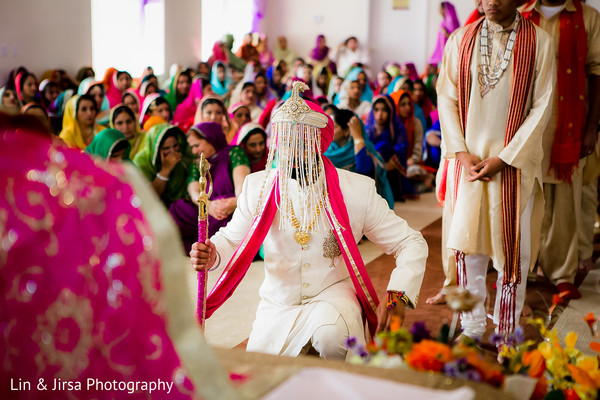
x=262, y=91
x=123, y=119
x=9, y=102
x=239, y=115
x=98, y=92
x=421, y=99
x=253, y=140
x=155, y=106
x=165, y=161
x=132, y=100
x=412, y=126
x=179, y=88
x=387, y=133
x=26, y=85
x=116, y=83
x=79, y=122
x=350, y=98
x=212, y=109
x=220, y=80
x=110, y=144
x=228, y=168
x=353, y=151
x=38, y=111
x=248, y=98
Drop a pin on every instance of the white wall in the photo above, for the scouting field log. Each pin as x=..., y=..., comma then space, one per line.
x=182, y=32
x=42, y=35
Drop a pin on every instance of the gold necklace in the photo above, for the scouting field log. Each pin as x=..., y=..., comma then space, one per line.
x=303, y=237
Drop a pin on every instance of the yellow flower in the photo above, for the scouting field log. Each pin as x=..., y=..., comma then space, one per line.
x=570, y=340
x=546, y=349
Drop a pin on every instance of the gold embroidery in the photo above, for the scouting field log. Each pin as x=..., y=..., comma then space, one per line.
x=64, y=335
x=11, y=351
x=107, y=350
x=127, y=238
x=156, y=340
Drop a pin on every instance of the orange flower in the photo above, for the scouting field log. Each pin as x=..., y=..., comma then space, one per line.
x=395, y=324
x=536, y=363
x=595, y=346
x=582, y=378
x=429, y=355
x=490, y=373
x=570, y=394
x=589, y=319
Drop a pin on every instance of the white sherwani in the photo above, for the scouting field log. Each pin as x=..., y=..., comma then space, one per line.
x=296, y=279
x=476, y=218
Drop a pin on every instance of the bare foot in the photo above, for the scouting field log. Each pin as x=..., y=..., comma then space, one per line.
x=439, y=298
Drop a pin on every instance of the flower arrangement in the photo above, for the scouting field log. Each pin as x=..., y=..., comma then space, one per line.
x=556, y=371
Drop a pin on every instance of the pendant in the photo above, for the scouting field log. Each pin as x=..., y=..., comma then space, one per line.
x=301, y=237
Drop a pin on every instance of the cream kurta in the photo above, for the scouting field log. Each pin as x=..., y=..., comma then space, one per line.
x=296, y=279
x=591, y=20
x=476, y=218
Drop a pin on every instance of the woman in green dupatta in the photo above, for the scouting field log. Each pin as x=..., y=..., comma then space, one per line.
x=123, y=119
x=179, y=88
x=110, y=144
x=165, y=161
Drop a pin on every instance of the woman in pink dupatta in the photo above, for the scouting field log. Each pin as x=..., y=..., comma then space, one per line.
x=88, y=291
x=449, y=24
x=186, y=110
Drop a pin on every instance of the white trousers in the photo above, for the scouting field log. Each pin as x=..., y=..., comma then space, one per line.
x=476, y=265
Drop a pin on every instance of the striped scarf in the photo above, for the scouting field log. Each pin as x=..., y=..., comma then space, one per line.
x=524, y=61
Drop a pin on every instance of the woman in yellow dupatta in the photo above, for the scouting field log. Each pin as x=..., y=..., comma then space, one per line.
x=123, y=119
x=79, y=122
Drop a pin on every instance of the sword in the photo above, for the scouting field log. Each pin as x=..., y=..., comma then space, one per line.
x=203, y=197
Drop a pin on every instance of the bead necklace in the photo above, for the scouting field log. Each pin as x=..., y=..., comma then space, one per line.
x=303, y=237
x=488, y=76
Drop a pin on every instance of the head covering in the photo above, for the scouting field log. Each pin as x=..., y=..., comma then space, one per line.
x=134, y=93
x=137, y=142
x=113, y=94
x=185, y=111
x=408, y=122
x=71, y=132
x=392, y=141
x=84, y=88
x=147, y=102
x=152, y=122
x=367, y=94
x=149, y=162
x=220, y=88
x=105, y=142
x=19, y=82
x=299, y=129
x=413, y=75
x=250, y=127
x=173, y=97
x=317, y=53
x=345, y=158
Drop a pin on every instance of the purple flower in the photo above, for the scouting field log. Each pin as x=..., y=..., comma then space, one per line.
x=364, y=353
x=451, y=369
x=350, y=342
x=519, y=334
x=472, y=375
x=496, y=339
x=419, y=332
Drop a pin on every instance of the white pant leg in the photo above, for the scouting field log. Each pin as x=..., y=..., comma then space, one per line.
x=525, y=262
x=474, y=322
x=330, y=340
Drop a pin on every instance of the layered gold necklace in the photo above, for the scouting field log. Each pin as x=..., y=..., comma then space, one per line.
x=303, y=237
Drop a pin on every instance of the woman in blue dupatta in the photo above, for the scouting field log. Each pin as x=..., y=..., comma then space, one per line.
x=220, y=80
x=357, y=74
x=352, y=150
x=388, y=135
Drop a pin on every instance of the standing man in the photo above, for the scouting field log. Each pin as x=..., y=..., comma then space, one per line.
x=309, y=216
x=570, y=136
x=494, y=95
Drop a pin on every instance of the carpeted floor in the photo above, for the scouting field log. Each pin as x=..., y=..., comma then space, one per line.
x=537, y=303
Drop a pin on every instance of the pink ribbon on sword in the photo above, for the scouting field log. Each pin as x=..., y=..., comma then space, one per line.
x=203, y=197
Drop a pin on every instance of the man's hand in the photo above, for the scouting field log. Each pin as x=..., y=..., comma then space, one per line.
x=486, y=169
x=468, y=161
x=588, y=142
x=386, y=316
x=203, y=255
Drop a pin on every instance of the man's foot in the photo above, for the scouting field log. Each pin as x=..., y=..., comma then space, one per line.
x=587, y=264
x=439, y=298
x=568, y=291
